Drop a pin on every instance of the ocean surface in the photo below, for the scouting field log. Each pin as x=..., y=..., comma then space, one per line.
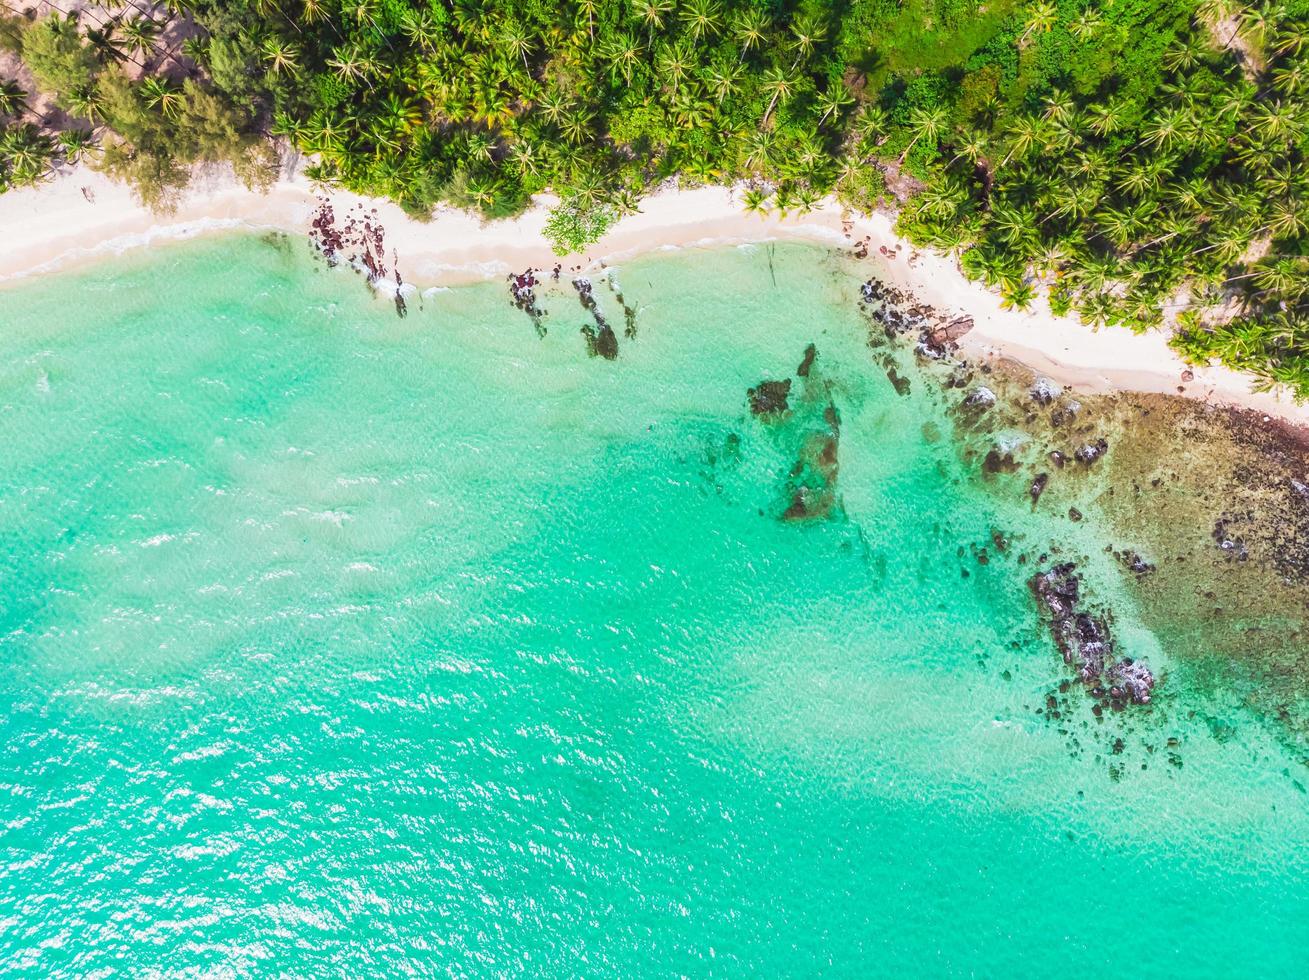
x=339, y=643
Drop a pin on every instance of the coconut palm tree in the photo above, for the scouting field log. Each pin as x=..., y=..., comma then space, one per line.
x=159, y=93
x=281, y=57
x=755, y=200
x=13, y=99
x=749, y=28
x=139, y=35
x=76, y=143
x=653, y=14
x=1040, y=19
x=703, y=18
x=724, y=81
x=835, y=98
x=780, y=85
x=806, y=33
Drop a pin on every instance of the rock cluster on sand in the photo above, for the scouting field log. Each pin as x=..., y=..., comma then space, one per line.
x=522, y=287
x=360, y=239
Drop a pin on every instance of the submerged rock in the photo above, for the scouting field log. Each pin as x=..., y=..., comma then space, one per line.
x=1084, y=639
x=999, y=460
x=601, y=341
x=1044, y=391
x=769, y=398
x=1131, y=678
x=807, y=362
x=1038, y=487
x=1090, y=452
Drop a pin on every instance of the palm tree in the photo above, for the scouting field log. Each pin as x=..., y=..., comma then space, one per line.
x=625, y=54
x=1291, y=38
x=1277, y=121
x=76, y=143
x=780, y=85
x=833, y=100
x=29, y=152
x=313, y=11
x=104, y=41
x=760, y=147
x=749, y=27
x=554, y=105
x=723, y=81
x=1258, y=22
x=1059, y=106
x=13, y=99
x=1041, y=19
x=159, y=93
x=925, y=124
x=139, y=35
x=590, y=8
x=653, y=13
x=1086, y=25
x=1107, y=117
x=1024, y=135
x=702, y=17
x=577, y=126
x=674, y=61
x=755, y=200
x=85, y=101
x=348, y=63
x=518, y=41
x=282, y=57
x=807, y=33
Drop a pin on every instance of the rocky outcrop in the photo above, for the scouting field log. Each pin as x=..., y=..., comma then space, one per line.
x=1044, y=391
x=1085, y=642
x=769, y=398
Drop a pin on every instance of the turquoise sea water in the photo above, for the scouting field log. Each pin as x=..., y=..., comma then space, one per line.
x=339, y=644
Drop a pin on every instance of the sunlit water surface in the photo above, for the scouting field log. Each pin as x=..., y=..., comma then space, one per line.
x=335, y=643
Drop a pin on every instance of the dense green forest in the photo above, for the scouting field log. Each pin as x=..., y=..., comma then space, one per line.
x=1139, y=161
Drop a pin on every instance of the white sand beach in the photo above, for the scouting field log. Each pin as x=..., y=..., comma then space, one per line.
x=81, y=215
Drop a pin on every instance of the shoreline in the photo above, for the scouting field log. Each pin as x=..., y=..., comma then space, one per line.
x=81, y=216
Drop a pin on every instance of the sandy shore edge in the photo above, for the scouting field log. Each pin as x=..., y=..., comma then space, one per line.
x=81, y=216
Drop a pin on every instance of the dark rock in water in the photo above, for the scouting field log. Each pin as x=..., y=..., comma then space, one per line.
x=1044, y=391
x=522, y=287
x=998, y=461
x=1057, y=458
x=901, y=384
x=1092, y=451
x=601, y=342
x=980, y=397
x=769, y=397
x=810, y=353
x=1065, y=414
x=1134, y=563
x=1038, y=487
x=811, y=484
x=1074, y=514
x=1085, y=642
x=942, y=340
x=1133, y=678
x=1234, y=546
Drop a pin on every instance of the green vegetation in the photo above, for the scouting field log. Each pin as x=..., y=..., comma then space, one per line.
x=1129, y=159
